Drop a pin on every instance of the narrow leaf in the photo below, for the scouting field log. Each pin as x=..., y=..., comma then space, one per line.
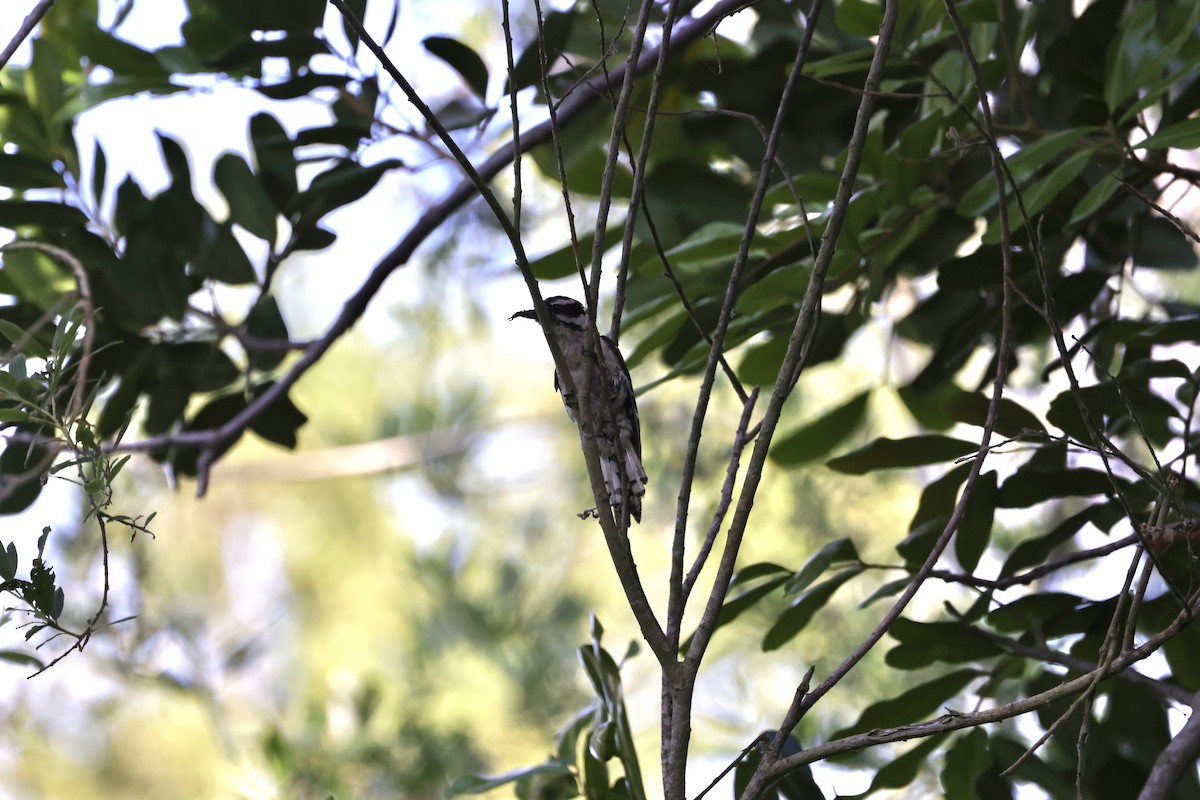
x=915, y=451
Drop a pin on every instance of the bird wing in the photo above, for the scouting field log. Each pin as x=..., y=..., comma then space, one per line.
x=621, y=386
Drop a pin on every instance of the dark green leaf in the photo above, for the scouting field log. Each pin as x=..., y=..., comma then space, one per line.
x=264, y=322
x=975, y=529
x=1028, y=487
x=888, y=589
x=742, y=603
x=801, y=611
x=18, y=213
x=1033, y=611
x=465, y=61
x=8, y=561
x=1033, y=552
x=925, y=643
x=755, y=571
x=837, y=551
x=221, y=256
x=274, y=158
x=913, y=705
x=99, y=174
x=1096, y=197
x=20, y=171
x=249, y=204
x=902, y=771
x=553, y=35
x=340, y=185
x=1161, y=245
x=1183, y=135
x=21, y=659
x=965, y=761
x=859, y=17
x=475, y=784
x=818, y=437
x=915, y=451
x=1040, y=195
x=18, y=459
x=313, y=237
x=1011, y=418
x=280, y=422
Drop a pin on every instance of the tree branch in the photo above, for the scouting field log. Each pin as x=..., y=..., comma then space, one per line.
x=355, y=306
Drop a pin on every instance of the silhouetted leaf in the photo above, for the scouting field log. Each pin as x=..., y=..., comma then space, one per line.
x=915, y=451
x=465, y=61
x=249, y=204
x=801, y=611
x=816, y=438
x=912, y=705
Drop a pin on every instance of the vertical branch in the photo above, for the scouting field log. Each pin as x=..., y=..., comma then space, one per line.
x=506, y=24
x=678, y=725
x=639, y=168
x=716, y=350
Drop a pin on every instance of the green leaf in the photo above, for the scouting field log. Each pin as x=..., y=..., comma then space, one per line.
x=21, y=659
x=1096, y=197
x=274, y=157
x=821, y=435
x=965, y=761
x=926, y=643
x=31, y=346
x=18, y=213
x=792, y=621
x=888, y=589
x=1012, y=419
x=249, y=204
x=553, y=36
x=1028, y=487
x=1033, y=611
x=280, y=422
x=859, y=17
x=912, y=705
x=1183, y=135
x=1041, y=194
x=915, y=451
x=1135, y=58
x=561, y=263
x=221, y=257
x=900, y=772
x=975, y=529
x=20, y=171
x=8, y=561
x=476, y=784
x=741, y=603
x=1022, y=164
x=99, y=174
x=266, y=322
x=339, y=185
x=462, y=59
x=839, y=550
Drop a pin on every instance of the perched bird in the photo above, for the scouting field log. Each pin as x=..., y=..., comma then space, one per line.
x=611, y=403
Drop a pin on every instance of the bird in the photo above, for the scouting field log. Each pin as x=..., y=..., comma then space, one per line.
x=611, y=402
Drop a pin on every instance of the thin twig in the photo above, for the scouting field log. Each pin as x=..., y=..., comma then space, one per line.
x=959, y=721
x=354, y=307
x=27, y=26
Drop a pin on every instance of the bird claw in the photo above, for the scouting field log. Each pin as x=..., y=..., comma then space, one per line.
x=591, y=513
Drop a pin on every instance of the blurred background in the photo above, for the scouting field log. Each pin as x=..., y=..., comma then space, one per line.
x=398, y=602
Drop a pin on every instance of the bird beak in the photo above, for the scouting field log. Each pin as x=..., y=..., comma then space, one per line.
x=527, y=314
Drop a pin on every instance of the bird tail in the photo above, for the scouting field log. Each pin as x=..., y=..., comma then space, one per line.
x=634, y=475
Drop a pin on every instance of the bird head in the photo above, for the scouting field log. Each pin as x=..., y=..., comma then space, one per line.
x=564, y=311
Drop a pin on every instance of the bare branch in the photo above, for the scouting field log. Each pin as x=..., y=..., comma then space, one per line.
x=27, y=26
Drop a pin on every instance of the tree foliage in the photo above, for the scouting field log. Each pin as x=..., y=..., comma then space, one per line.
x=985, y=190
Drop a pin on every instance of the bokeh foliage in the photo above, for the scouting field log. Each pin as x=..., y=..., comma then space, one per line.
x=1096, y=115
